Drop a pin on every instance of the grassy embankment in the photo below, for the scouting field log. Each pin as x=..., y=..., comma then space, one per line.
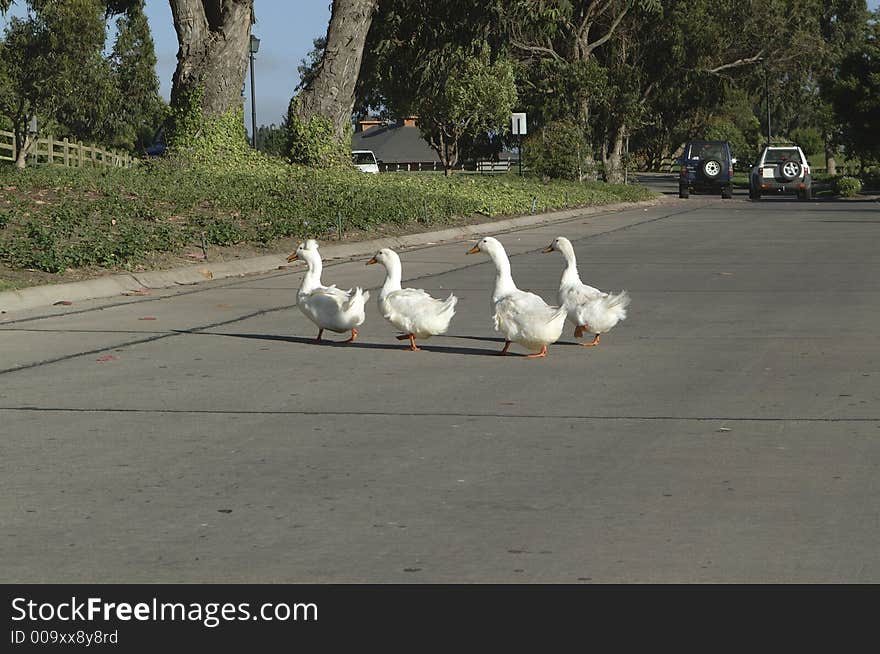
x=61, y=224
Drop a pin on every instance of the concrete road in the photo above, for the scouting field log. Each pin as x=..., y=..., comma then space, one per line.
x=727, y=431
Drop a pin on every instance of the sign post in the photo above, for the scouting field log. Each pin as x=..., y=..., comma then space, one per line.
x=518, y=127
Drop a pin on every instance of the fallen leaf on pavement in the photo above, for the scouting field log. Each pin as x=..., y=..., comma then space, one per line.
x=63, y=303
x=207, y=273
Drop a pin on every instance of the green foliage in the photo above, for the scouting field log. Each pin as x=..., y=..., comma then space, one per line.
x=193, y=136
x=49, y=61
x=809, y=139
x=422, y=58
x=856, y=95
x=308, y=68
x=140, y=110
x=723, y=129
x=115, y=218
x=185, y=118
x=271, y=139
x=475, y=98
x=52, y=65
x=847, y=187
x=558, y=150
x=313, y=143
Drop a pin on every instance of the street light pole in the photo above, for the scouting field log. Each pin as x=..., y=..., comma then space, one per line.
x=767, y=96
x=254, y=46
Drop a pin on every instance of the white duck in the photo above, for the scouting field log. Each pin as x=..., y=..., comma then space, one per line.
x=412, y=310
x=589, y=309
x=521, y=316
x=327, y=306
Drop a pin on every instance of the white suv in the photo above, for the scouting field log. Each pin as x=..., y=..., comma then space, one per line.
x=365, y=161
x=781, y=169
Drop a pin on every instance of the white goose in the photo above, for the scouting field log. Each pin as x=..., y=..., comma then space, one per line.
x=521, y=316
x=589, y=309
x=327, y=306
x=412, y=310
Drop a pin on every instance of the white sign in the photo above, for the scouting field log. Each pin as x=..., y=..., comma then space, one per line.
x=519, y=124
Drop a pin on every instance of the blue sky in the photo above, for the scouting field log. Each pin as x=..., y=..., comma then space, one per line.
x=285, y=28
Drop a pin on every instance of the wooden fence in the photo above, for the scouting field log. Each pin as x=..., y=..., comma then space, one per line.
x=64, y=153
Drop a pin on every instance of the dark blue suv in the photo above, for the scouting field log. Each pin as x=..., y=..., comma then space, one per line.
x=706, y=166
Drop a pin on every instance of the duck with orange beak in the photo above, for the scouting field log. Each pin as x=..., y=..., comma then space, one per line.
x=411, y=310
x=327, y=306
x=589, y=309
x=523, y=317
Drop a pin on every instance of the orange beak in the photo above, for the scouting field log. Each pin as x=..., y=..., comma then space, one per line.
x=473, y=250
x=372, y=261
x=292, y=258
x=547, y=249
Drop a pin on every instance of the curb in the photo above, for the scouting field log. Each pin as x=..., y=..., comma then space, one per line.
x=133, y=283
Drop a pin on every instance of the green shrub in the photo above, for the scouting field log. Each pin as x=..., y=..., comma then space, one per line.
x=847, y=187
x=558, y=151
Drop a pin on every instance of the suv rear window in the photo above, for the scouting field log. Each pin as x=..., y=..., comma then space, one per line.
x=778, y=155
x=703, y=151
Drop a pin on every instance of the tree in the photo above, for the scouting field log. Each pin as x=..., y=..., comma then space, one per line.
x=319, y=116
x=271, y=140
x=843, y=29
x=856, y=95
x=569, y=34
x=49, y=58
x=700, y=67
x=423, y=58
x=308, y=68
x=475, y=98
x=557, y=150
x=133, y=63
x=206, y=104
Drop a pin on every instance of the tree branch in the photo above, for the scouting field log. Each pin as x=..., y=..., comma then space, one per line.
x=536, y=49
x=595, y=44
x=744, y=61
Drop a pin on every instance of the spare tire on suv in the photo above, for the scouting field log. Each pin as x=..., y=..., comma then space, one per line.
x=789, y=170
x=706, y=166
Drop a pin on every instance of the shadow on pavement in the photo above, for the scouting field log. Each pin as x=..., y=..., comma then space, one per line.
x=357, y=344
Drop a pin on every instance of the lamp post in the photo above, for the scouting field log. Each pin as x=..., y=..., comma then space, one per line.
x=767, y=96
x=254, y=46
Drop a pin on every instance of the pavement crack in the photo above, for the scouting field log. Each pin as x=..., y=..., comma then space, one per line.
x=436, y=414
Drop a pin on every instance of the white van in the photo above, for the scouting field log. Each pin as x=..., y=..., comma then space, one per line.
x=365, y=161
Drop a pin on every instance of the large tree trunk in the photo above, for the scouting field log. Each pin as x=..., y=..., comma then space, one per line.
x=214, y=40
x=830, y=161
x=446, y=147
x=331, y=94
x=612, y=157
x=23, y=143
